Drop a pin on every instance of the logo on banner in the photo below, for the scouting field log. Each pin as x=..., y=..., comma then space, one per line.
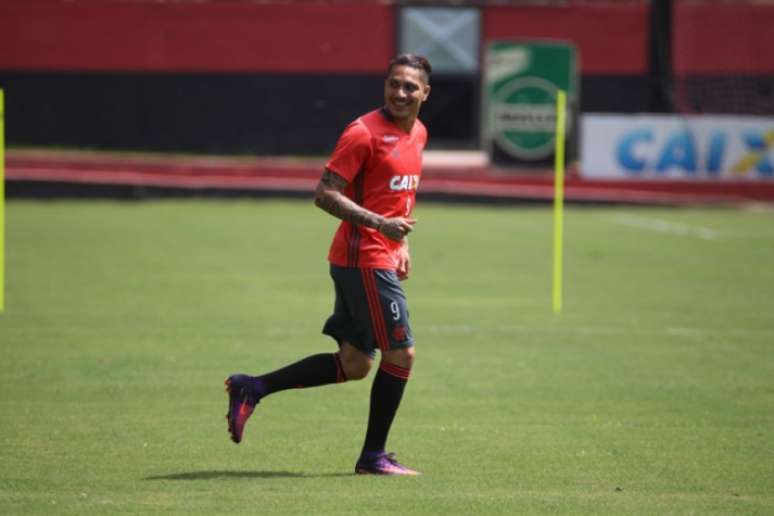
x=524, y=117
x=690, y=152
x=756, y=157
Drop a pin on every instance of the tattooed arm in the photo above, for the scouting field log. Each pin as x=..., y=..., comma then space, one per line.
x=329, y=196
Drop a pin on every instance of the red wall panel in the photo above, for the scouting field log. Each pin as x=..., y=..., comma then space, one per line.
x=723, y=38
x=611, y=38
x=197, y=37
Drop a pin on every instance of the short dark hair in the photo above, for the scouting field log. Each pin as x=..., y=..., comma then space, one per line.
x=412, y=60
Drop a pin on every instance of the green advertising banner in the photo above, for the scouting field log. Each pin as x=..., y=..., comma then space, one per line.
x=521, y=80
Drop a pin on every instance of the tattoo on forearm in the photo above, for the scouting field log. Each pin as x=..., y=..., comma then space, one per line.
x=333, y=180
x=330, y=197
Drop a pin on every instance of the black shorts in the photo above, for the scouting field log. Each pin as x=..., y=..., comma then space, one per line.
x=370, y=310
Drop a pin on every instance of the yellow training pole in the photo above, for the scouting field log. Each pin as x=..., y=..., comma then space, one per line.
x=561, y=101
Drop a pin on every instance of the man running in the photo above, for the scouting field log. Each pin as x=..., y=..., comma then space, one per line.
x=370, y=184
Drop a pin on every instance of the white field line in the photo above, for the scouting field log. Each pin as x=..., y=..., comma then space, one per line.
x=431, y=329
x=516, y=330
x=665, y=226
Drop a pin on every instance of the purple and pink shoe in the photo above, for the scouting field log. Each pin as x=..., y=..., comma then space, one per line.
x=382, y=464
x=241, y=403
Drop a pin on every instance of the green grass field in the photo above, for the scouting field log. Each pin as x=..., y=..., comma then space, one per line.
x=652, y=393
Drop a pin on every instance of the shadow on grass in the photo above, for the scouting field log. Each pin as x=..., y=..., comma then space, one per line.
x=213, y=475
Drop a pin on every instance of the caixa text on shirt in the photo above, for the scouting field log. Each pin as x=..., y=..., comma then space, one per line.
x=400, y=183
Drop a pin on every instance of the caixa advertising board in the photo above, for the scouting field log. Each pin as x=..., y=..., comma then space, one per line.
x=698, y=147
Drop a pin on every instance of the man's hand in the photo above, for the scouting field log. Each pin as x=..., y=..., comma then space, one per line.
x=404, y=261
x=396, y=228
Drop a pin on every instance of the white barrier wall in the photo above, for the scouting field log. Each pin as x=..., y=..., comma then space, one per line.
x=677, y=147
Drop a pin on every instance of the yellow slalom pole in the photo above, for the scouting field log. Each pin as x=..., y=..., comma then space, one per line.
x=561, y=102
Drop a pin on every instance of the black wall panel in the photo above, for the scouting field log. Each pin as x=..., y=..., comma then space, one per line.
x=299, y=114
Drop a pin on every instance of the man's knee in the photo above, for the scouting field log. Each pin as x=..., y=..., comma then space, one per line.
x=403, y=357
x=356, y=370
x=354, y=362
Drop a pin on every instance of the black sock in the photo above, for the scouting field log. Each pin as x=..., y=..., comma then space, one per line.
x=312, y=371
x=386, y=393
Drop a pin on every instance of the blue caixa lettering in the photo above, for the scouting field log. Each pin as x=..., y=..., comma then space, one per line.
x=637, y=153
